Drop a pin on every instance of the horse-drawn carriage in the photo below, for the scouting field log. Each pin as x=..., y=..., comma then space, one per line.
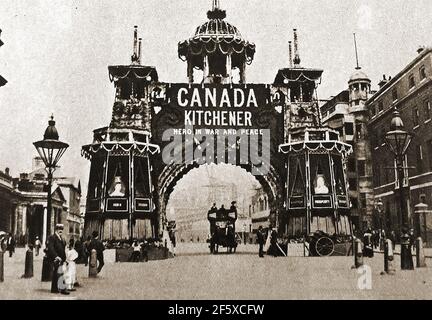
x=222, y=228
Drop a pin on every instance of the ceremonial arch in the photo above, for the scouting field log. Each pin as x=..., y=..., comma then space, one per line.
x=160, y=131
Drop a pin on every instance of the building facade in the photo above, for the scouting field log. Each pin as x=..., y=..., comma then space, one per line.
x=409, y=92
x=347, y=113
x=23, y=205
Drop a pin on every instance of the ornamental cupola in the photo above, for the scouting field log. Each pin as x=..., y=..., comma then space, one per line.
x=217, y=49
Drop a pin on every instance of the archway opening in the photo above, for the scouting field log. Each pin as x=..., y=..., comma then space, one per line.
x=195, y=193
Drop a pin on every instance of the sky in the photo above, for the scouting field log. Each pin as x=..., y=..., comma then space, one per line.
x=56, y=55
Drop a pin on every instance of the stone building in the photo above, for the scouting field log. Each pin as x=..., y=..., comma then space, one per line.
x=23, y=205
x=8, y=199
x=347, y=113
x=409, y=92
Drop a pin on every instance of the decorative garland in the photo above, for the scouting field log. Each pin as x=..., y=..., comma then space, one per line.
x=88, y=150
x=341, y=147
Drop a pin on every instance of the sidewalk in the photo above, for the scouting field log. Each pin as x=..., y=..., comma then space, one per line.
x=396, y=251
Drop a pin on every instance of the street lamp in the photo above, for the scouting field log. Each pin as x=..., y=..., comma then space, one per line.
x=50, y=150
x=398, y=141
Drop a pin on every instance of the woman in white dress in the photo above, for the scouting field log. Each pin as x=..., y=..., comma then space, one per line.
x=70, y=270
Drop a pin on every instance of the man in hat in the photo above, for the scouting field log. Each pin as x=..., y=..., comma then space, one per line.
x=261, y=241
x=10, y=245
x=97, y=245
x=57, y=256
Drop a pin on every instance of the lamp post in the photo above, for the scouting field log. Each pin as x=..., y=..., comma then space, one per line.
x=398, y=141
x=50, y=150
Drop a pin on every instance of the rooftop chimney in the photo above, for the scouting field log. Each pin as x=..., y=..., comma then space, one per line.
x=420, y=49
x=383, y=81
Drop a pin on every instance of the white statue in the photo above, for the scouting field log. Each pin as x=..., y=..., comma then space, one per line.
x=320, y=185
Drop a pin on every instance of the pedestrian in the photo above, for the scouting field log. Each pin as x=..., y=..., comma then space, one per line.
x=57, y=256
x=136, y=253
x=10, y=245
x=97, y=245
x=86, y=251
x=70, y=269
x=273, y=243
x=368, y=244
x=144, y=250
x=261, y=241
x=406, y=253
x=37, y=245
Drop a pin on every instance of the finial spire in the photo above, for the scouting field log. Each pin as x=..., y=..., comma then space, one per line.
x=355, y=47
x=290, y=53
x=296, y=54
x=135, y=58
x=216, y=12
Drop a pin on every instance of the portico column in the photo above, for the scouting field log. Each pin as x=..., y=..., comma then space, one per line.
x=44, y=230
x=24, y=221
x=15, y=227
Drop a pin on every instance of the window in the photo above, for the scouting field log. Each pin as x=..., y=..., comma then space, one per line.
x=429, y=151
x=394, y=94
x=361, y=164
x=357, y=102
x=359, y=131
x=411, y=82
x=372, y=110
x=377, y=175
x=380, y=106
x=427, y=109
x=352, y=184
x=349, y=128
x=354, y=203
x=363, y=200
x=415, y=115
x=422, y=72
x=351, y=165
x=419, y=158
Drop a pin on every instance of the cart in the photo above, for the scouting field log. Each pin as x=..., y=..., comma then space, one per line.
x=322, y=244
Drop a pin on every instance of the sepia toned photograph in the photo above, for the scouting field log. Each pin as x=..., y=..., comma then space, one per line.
x=215, y=150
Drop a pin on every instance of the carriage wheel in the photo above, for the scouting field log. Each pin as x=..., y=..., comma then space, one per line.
x=324, y=246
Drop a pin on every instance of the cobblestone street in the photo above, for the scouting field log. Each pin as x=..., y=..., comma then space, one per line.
x=195, y=274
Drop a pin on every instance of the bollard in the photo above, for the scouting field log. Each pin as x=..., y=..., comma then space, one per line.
x=388, y=258
x=93, y=265
x=28, y=270
x=47, y=270
x=358, y=254
x=420, y=256
x=1, y=265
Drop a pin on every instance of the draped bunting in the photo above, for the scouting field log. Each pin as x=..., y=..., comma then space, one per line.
x=88, y=150
x=211, y=44
x=139, y=72
x=298, y=75
x=341, y=147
